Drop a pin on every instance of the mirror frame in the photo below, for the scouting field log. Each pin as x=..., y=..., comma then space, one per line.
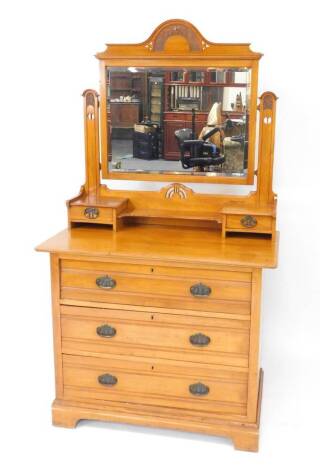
x=177, y=43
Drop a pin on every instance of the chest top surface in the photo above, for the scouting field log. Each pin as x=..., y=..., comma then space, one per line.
x=177, y=244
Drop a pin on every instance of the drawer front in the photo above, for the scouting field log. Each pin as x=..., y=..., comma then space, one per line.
x=113, y=286
x=160, y=383
x=163, y=270
x=92, y=330
x=90, y=214
x=250, y=223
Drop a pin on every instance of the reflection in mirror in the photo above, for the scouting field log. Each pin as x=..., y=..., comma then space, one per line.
x=164, y=120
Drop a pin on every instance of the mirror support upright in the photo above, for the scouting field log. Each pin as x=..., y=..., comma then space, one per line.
x=89, y=206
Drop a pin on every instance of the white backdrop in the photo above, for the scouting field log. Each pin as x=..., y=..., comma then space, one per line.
x=47, y=61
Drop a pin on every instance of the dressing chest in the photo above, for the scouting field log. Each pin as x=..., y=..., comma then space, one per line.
x=156, y=294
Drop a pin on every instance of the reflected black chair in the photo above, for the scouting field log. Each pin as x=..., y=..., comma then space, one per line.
x=198, y=152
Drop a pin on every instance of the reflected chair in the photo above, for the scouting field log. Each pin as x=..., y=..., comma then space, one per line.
x=198, y=152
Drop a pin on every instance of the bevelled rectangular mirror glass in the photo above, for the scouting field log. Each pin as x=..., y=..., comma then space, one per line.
x=178, y=120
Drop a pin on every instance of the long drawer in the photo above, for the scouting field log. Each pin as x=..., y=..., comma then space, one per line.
x=189, y=338
x=220, y=291
x=156, y=382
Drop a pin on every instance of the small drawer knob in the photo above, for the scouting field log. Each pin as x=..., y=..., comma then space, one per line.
x=248, y=221
x=108, y=380
x=91, y=212
x=106, y=331
x=199, y=339
x=200, y=290
x=199, y=389
x=106, y=282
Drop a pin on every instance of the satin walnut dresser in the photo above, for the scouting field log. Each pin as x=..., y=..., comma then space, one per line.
x=156, y=294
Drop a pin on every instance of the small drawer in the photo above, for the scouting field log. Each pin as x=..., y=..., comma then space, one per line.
x=178, y=337
x=90, y=214
x=155, y=382
x=252, y=223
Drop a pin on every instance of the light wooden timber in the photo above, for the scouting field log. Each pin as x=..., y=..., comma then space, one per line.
x=158, y=244
x=156, y=294
x=244, y=436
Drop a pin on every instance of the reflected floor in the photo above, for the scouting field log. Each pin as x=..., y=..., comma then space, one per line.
x=122, y=159
x=122, y=154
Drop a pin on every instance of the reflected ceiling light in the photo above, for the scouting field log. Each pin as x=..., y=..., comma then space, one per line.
x=132, y=69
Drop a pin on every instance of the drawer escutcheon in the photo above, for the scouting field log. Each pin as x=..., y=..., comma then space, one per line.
x=199, y=339
x=106, y=331
x=199, y=389
x=200, y=290
x=108, y=380
x=106, y=282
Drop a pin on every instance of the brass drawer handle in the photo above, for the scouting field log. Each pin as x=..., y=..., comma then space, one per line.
x=248, y=221
x=199, y=389
x=106, y=331
x=107, y=379
x=199, y=339
x=91, y=212
x=200, y=290
x=106, y=282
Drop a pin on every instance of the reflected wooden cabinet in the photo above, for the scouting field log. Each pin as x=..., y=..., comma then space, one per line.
x=198, y=90
x=155, y=100
x=175, y=121
x=124, y=115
